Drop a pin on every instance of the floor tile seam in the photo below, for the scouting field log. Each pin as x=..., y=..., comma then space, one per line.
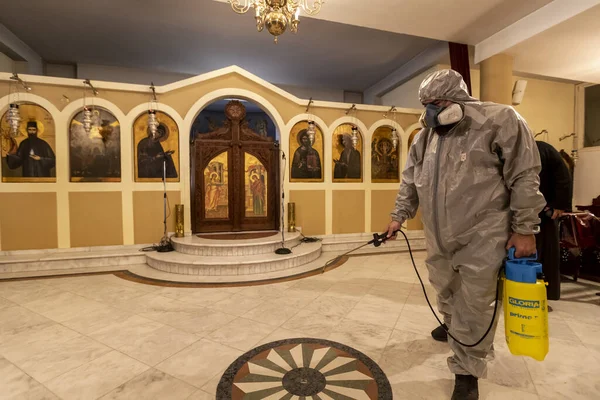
x=254, y=345
x=123, y=298
x=108, y=350
x=150, y=368
x=582, y=341
x=183, y=302
x=535, y=388
x=143, y=372
x=119, y=348
x=170, y=325
x=315, y=312
x=234, y=315
x=398, y=317
x=71, y=315
x=40, y=315
x=32, y=378
x=207, y=306
x=185, y=348
x=79, y=335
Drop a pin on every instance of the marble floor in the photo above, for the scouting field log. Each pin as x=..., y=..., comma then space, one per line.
x=101, y=337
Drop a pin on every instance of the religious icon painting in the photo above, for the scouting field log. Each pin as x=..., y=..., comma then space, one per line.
x=95, y=156
x=156, y=154
x=216, y=193
x=256, y=187
x=385, y=162
x=29, y=154
x=306, y=149
x=347, y=154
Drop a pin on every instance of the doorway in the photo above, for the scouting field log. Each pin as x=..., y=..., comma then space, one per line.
x=235, y=173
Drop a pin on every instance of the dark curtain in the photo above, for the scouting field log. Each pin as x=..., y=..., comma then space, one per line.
x=459, y=61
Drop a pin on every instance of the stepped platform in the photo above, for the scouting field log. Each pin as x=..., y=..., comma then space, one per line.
x=210, y=257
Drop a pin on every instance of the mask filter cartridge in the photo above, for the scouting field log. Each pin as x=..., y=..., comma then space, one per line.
x=435, y=116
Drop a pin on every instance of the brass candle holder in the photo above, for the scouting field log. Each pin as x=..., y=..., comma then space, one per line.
x=291, y=217
x=179, y=220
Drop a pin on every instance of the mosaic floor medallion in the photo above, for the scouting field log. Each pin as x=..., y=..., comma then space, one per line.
x=304, y=369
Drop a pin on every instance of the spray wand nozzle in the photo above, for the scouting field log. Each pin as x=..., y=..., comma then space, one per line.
x=380, y=238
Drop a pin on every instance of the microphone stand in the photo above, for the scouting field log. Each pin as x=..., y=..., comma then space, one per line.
x=165, y=243
x=283, y=249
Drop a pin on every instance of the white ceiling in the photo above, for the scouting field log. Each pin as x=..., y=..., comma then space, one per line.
x=569, y=50
x=198, y=36
x=461, y=21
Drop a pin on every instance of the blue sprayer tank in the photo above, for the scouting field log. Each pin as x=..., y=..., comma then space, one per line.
x=525, y=307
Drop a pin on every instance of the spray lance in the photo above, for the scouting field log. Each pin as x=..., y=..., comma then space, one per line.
x=525, y=302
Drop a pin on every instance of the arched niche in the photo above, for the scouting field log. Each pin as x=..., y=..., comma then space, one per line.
x=155, y=154
x=95, y=156
x=29, y=154
x=212, y=117
x=306, y=153
x=347, y=153
x=385, y=155
x=247, y=154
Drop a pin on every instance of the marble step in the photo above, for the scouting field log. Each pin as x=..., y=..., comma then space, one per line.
x=75, y=259
x=197, y=246
x=188, y=264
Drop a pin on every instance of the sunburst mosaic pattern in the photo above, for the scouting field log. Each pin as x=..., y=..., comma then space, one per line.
x=304, y=369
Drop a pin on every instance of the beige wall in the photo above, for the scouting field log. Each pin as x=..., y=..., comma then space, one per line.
x=127, y=204
x=547, y=104
x=96, y=218
x=348, y=211
x=28, y=221
x=382, y=204
x=148, y=215
x=310, y=210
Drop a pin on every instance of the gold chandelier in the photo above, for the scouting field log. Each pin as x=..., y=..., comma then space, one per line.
x=277, y=15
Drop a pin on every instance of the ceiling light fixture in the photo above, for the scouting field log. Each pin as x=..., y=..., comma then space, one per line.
x=277, y=15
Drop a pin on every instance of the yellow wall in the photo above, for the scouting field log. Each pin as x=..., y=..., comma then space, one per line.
x=128, y=212
x=382, y=204
x=310, y=210
x=28, y=221
x=348, y=211
x=96, y=218
x=87, y=214
x=547, y=104
x=148, y=214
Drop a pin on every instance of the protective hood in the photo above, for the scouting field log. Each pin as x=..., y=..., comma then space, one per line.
x=445, y=84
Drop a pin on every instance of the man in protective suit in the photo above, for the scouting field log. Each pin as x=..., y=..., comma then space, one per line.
x=473, y=170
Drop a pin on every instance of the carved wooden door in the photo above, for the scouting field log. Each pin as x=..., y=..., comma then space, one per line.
x=235, y=176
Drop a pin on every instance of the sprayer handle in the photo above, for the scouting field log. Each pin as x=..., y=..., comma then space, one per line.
x=511, y=256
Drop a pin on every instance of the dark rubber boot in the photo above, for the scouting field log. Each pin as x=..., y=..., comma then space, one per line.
x=440, y=334
x=466, y=387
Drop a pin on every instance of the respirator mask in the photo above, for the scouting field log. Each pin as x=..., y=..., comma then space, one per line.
x=436, y=116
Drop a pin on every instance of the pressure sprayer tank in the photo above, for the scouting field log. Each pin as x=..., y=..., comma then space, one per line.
x=525, y=307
